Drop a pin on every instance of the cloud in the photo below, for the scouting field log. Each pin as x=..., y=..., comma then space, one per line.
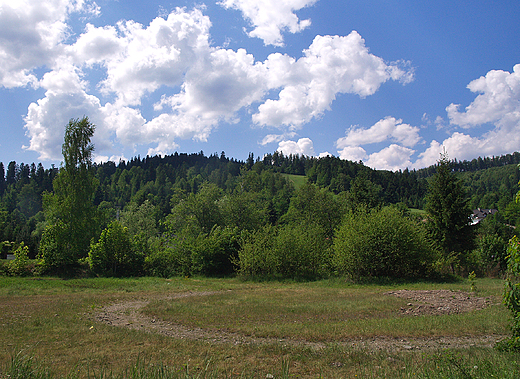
x=202, y=86
x=303, y=146
x=388, y=128
x=332, y=65
x=272, y=138
x=325, y=154
x=353, y=153
x=392, y=158
x=96, y=45
x=270, y=18
x=65, y=99
x=499, y=95
x=498, y=103
x=32, y=35
x=144, y=59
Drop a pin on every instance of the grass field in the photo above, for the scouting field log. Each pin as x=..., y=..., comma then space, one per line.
x=48, y=328
x=417, y=212
x=296, y=180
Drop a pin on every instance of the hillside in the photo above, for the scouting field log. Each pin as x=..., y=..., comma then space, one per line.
x=490, y=183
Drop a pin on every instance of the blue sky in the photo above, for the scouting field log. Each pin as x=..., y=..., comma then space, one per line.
x=390, y=83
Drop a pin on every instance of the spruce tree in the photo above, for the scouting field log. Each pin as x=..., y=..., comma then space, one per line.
x=2, y=178
x=449, y=214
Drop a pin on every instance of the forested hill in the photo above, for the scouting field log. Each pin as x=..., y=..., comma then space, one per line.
x=491, y=182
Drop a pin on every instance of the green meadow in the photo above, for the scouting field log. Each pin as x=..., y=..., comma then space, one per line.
x=50, y=329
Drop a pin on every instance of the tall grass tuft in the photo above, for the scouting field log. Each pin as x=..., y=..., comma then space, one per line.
x=22, y=366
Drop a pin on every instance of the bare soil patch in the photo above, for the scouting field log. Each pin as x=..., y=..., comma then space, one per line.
x=439, y=302
x=435, y=302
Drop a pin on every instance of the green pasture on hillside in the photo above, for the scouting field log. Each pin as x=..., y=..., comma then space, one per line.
x=296, y=180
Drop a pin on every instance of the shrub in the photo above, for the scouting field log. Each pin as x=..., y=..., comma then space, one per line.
x=381, y=243
x=20, y=265
x=288, y=251
x=162, y=264
x=54, y=250
x=256, y=256
x=511, y=297
x=4, y=267
x=493, y=251
x=303, y=251
x=493, y=237
x=114, y=254
x=172, y=257
x=215, y=252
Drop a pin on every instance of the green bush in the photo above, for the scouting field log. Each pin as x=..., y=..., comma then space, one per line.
x=20, y=265
x=381, y=243
x=511, y=297
x=4, y=268
x=187, y=253
x=54, y=250
x=215, y=252
x=114, y=254
x=493, y=236
x=162, y=264
x=303, y=251
x=288, y=251
x=256, y=257
x=493, y=251
x=173, y=256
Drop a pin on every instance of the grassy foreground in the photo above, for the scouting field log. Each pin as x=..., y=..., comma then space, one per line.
x=48, y=330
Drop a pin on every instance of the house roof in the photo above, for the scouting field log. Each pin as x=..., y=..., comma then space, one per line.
x=480, y=214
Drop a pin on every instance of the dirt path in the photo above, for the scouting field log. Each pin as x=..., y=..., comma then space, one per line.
x=128, y=315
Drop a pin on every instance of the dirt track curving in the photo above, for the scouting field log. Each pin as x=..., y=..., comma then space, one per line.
x=438, y=302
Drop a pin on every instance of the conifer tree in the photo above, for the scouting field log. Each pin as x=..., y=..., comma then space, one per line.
x=2, y=178
x=449, y=214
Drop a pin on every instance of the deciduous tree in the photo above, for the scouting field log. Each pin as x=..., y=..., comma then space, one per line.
x=71, y=204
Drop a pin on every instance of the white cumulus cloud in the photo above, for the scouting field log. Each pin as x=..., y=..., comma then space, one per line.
x=304, y=146
x=270, y=18
x=332, y=65
x=202, y=86
x=146, y=58
x=32, y=35
x=353, y=153
x=498, y=95
x=498, y=104
x=392, y=158
x=65, y=99
x=388, y=128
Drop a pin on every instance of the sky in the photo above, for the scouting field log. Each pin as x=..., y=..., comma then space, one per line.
x=390, y=83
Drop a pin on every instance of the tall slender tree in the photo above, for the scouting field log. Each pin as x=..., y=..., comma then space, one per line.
x=70, y=211
x=449, y=214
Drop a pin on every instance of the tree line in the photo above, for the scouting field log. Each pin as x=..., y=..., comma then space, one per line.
x=189, y=214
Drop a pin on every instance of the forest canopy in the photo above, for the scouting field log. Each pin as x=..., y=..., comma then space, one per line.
x=191, y=214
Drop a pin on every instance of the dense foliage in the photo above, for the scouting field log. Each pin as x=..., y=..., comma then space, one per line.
x=511, y=297
x=382, y=243
x=449, y=216
x=115, y=254
x=70, y=214
x=191, y=214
